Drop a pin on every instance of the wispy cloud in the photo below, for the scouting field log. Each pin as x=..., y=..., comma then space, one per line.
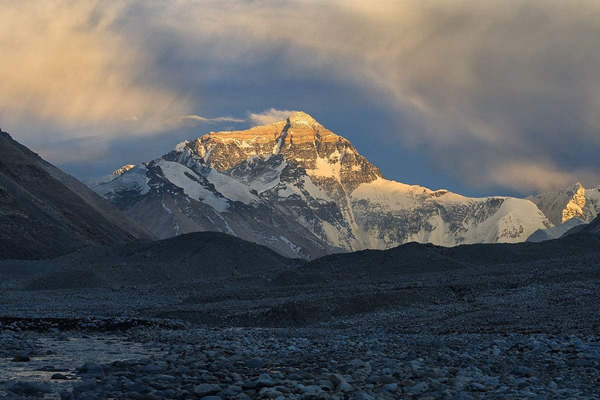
x=190, y=121
x=269, y=116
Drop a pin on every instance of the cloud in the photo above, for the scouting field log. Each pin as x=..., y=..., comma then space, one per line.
x=534, y=177
x=471, y=81
x=66, y=62
x=481, y=85
x=190, y=121
x=269, y=116
x=83, y=149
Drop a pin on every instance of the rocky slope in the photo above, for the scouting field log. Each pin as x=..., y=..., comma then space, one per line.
x=174, y=261
x=304, y=191
x=564, y=204
x=45, y=213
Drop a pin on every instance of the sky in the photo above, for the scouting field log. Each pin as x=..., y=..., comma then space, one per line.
x=478, y=97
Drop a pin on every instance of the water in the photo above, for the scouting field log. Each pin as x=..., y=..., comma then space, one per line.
x=66, y=356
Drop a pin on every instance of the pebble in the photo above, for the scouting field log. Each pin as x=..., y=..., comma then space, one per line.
x=91, y=369
x=206, y=389
x=27, y=388
x=255, y=363
x=523, y=371
x=230, y=363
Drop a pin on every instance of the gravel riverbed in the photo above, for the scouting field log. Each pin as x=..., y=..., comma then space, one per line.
x=258, y=363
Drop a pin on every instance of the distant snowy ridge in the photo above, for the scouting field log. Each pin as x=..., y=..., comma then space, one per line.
x=562, y=205
x=555, y=232
x=94, y=182
x=304, y=191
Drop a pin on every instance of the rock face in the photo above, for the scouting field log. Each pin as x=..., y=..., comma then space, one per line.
x=45, y=213
x=564, y=204
x=304, y=191
x=327, y=158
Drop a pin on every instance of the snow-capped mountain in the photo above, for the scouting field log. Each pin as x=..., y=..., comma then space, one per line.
x=564, y=204
x=304, y=191
x=101, y=180
x=555, y=232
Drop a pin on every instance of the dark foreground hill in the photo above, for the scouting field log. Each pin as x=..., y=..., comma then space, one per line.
x=185, y=259
x=411, y=258
x=216, y=279
x=593, y=228
x=45, y=213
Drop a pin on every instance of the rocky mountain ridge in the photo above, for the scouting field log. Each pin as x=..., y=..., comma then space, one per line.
x=304, y=191
x=45, y=213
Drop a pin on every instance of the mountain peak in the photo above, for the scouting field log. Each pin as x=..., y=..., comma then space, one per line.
x=302, y=118
x=123, y=169
x=102, y=180
x=574, y=201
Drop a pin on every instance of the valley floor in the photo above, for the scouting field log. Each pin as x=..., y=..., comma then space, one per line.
x=464, y=331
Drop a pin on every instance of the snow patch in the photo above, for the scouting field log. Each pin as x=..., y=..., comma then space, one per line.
x=286, y=191
x=230, y=188
x=179, y=175
x=555, y=232
x=181, y=146
x=327, y=167
x=134, y=179
x=167, y=209
x=295, y=248
x=332, y=234
x=102, y=180
x=277, y=148
x=267, y=180
x=313, y=190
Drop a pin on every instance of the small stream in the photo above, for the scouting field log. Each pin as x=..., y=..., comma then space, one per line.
x=66, y=356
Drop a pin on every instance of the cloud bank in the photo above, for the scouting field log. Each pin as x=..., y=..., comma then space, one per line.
x=500, y=93
x=486, y=86
x=66, y=62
